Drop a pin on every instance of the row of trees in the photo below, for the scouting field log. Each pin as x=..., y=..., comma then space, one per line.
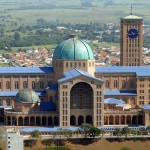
x=127, y=131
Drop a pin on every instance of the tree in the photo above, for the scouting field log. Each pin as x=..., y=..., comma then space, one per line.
x=125, y=131
x=35, y=134
x=148, y=129
x=85, y=127
x=117, y=132
x=17, y=36
x=134, y=132
x=93, y=131
x=125, y=148
x=67, y=133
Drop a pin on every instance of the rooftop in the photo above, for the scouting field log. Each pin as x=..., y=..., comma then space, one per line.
x=24, y=70
x=120, y=92
x=75, y=73
x=131, y=17
x=138, y=70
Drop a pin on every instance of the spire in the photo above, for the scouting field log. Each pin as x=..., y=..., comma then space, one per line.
x=131, y=11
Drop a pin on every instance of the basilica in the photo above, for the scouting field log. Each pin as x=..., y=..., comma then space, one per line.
x=75, y=91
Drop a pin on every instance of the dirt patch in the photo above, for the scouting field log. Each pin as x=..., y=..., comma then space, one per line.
x=84, y=144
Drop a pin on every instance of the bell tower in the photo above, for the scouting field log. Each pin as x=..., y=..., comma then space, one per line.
x=131, y=41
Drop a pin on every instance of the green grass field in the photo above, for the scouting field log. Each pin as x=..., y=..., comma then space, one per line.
x=96, y=14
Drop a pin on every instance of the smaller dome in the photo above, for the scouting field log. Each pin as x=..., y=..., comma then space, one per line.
x=27, y=95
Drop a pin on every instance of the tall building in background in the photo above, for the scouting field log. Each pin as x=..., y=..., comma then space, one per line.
x=131, y=41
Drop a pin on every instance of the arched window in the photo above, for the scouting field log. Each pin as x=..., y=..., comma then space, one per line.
x=7, y=102
x=83, y=64
x=115, y=83
x=33, y=84
x=66, y=64
x=107, y=84
x=16, y=85
x=79, y=64
x=1, y=102
x=75, y=64
x=123, y=84
x=41, y=84
x=7, y=85
x=25, y=84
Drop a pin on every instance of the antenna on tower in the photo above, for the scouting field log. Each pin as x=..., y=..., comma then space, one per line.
x=131, y=10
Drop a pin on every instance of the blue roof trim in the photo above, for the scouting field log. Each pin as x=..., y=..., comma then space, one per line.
x=53, y=87
x=120, y=92
x=113, y=101
x=47, y=106
x=146, y=107
x=75, y=73
x=14, y=93
x=46, y=129
x=138, y=70
x=22, y=70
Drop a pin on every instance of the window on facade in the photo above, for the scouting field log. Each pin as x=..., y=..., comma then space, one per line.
x=75, y=64
x=41, y=84
x=0, y=85
x=107, y=84
x=7, y=85
x=66, y=64
x=33, y=84
x=24, y=84
x=123, y=84
x=1, y=102
x=83, y=64
x=64, y=86
x=79, y=64
x=16, y=85
x=141, y=79
x=98, y=86
x=115, y=83
x=8, y=102
x=131, y=84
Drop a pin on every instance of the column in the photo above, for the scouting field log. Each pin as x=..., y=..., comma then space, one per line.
x=76, y=121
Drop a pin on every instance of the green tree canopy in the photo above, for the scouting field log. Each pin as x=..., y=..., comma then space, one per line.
x=35, y=134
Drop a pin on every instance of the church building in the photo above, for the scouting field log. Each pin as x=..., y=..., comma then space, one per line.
x=74, y=91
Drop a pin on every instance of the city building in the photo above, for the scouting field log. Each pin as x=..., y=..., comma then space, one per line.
x=14, y=140
x=74, y=91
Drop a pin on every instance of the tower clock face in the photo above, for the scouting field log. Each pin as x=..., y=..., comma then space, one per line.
x=133, y=33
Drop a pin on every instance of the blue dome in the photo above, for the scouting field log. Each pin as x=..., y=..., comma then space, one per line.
x=73, y=49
